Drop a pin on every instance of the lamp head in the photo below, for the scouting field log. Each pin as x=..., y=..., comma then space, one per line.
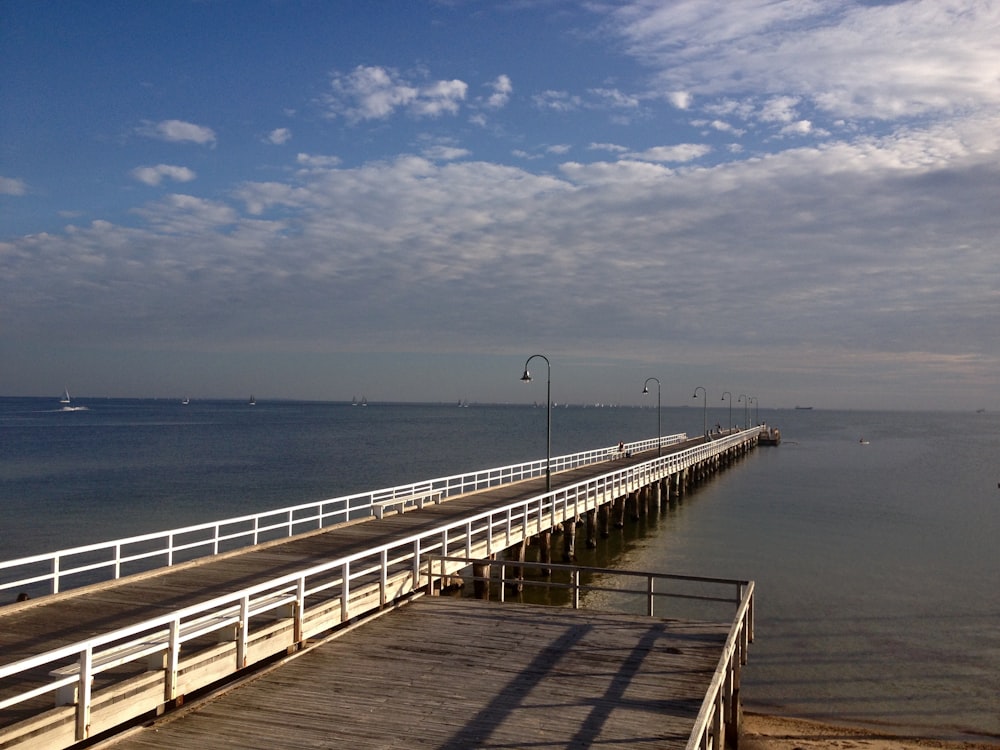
x=695, y=395
x=645, y=389
x=527, y=376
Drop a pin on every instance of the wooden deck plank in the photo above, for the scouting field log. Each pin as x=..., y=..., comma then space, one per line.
x=453, y=674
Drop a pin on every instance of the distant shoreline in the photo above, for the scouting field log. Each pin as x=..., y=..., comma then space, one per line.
x=770, y=732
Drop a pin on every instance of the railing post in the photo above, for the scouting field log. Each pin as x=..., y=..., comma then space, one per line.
x=503, y=582
x=300, y=609
x=55, y=574
x=172, y=661
x=84, y=694
x=650, y=595
x=416, y=562
x=243, y=633
x=383, y=578
x=170, y=549
x=118, y=561
x=576, y=589
x=215, y=540
x=345, y=591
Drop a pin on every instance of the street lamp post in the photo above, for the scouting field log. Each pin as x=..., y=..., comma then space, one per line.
x=746, y=407
x=724, y=394
x=704, y=394
x=548, y=415
x=645, y=389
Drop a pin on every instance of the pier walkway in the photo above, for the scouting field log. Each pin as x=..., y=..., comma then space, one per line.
x=81, y=662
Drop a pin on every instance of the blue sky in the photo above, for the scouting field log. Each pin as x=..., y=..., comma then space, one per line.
x=796, y=200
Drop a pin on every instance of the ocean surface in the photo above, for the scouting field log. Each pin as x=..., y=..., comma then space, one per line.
x=877, y=564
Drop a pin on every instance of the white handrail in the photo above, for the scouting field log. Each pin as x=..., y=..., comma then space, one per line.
x=159, y=549
x=340, y=580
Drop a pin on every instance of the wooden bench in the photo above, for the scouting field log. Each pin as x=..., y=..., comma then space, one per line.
x=400, y=503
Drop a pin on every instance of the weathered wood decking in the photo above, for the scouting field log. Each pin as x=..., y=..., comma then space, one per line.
x=455, y=674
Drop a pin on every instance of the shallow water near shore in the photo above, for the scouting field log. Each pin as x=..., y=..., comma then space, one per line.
x=876, y=564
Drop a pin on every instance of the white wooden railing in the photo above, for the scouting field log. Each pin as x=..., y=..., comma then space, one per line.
x=274, y=615
x=92, y=563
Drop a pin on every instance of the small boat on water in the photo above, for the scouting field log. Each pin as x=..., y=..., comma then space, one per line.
x=253, y=400
x=185, y=401
x=67, y=402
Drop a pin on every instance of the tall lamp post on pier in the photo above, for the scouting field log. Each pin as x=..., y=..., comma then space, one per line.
x=756, y=414
x=548, y=415
x=645, y=389
x=746, y=407
x=724, y=394
x=704, y=394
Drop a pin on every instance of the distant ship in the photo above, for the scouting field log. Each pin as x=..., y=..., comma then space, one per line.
x=65, y=397
x=253, y=400
x=804, y=408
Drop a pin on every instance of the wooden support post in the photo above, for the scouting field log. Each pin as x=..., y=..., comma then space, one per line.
x=604, y=520
x=569, y=540
x=481, y=588
x=591, y=528
x=619, y=512
x=545, y=552
x=520, y=550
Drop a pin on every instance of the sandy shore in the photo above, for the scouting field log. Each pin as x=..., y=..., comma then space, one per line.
x=762, y=732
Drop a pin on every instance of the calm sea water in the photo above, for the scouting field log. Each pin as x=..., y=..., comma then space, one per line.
x=877, y=566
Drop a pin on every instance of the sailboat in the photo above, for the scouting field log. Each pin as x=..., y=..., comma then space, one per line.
x=67, y=404
x=354, y=400
x=253, y=400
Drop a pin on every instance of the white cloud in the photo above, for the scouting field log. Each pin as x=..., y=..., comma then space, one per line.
x=612, y=147
x=680, y=99
x=187, y=214
x=376, y=93
x=616, y=98
x=779, y=109
x=178, y=131
x=853, y=59
x=559, y=101
x=155, y=175
x=801, y=127
x=502, y=89
x=12, y=186
x=316, y=161
x=444, y=153
x=279, y=136
x=682, y=152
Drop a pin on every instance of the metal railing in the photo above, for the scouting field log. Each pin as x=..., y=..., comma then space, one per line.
x=274, y=615
x=83, y=565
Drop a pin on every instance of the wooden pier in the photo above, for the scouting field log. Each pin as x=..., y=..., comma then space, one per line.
x=83, y=662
